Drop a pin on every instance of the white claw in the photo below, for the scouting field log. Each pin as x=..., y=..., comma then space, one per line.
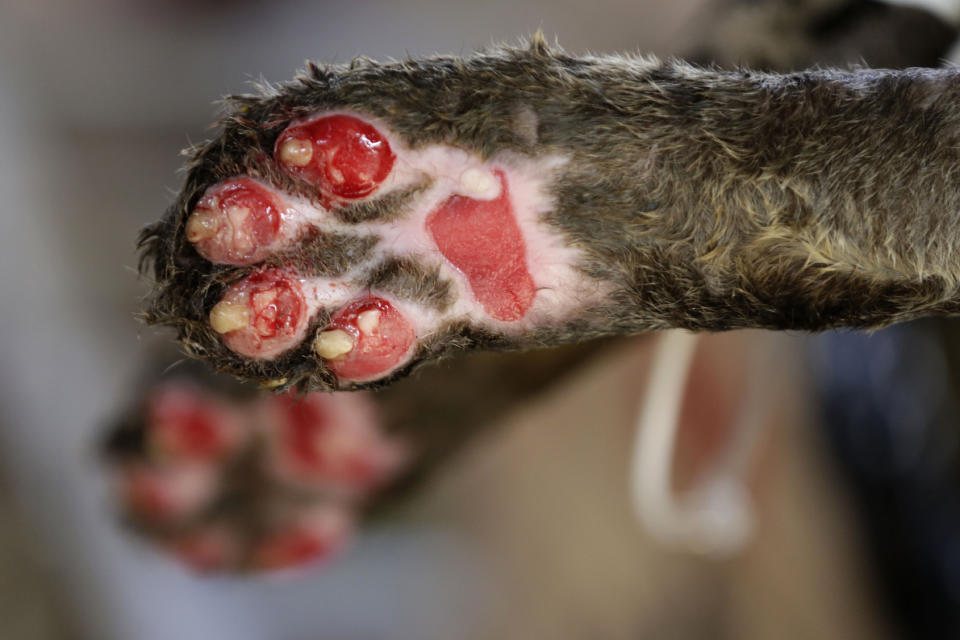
x=296, y=152
x=369, y=321
x=333, y=344
x=201, y=225
x=479, y=184
x=229, y=316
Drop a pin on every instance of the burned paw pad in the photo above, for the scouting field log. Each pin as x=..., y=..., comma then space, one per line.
x=226, y=484
x=342, y=250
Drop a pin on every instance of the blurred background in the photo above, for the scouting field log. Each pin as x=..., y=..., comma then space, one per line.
x=530, y=531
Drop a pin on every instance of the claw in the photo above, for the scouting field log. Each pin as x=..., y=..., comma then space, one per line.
x=333, y=344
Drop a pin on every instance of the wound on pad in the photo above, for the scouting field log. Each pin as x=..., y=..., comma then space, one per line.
x=482, y=239
x=329, y=438
x=274, y=313
x=342, y=155
x=383, y=338
x=234, y=222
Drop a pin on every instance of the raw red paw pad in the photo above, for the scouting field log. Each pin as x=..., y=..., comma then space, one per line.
x=333, y=440
x=302, y=215
x=311, y=538
x=261, y=315
x=232, y=482
x=169, y=492
x=183, y=423
x=206, y=550
x=235, y=222
x=482, y=239
x=342, y=155
x=365, y=340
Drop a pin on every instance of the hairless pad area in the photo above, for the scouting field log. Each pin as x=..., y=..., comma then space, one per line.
x=481, y=238
x=376, y=338
x=230, y=481
x=262, y=315
x=342, y=155
x=169, y=491
x=234, y=222
x=314, y=536
x=330, y=439
x=186, y=424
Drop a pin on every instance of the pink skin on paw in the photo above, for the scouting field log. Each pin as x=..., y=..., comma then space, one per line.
x=481, y=238
x=269, y=313
x=166, y=492
x=184, y=423
x=342, y=155
x=235, y=222
x=477, y=221
x=330, y=438
x=378, y=349
x=312, y=538
x=206, y=550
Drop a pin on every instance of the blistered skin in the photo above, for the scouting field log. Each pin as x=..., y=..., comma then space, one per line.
x=250, y=482
x=382, y=339
x=524, y=198
x=459, y=241
x=235, y=222
x=462, y=225
x=319, y=441
x=313, y=536
x=341, y=155
x=481, y=238
x=262, y=314
x=186, y=424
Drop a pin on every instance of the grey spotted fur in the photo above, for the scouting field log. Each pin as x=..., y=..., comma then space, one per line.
x=706, y=199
